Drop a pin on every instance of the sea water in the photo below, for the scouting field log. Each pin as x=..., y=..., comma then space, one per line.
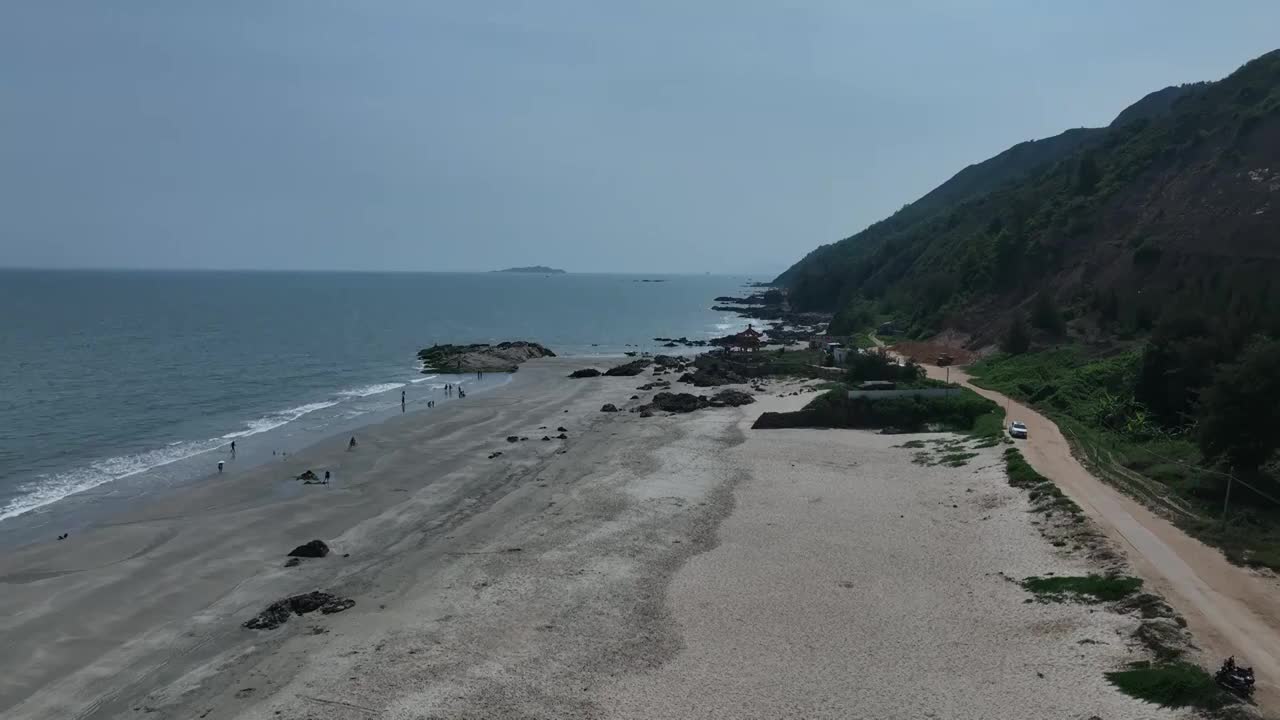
x=114, y=384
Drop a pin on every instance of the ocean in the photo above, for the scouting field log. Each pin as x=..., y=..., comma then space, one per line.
x=116, y=384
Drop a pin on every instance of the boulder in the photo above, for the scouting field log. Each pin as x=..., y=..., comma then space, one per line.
x=678, y=402
x=561, y=429
x=308, y=475
x=646, y=412
x=609, y=407
x=480, y=357
x=313, y=549
x=513, y=438
x=278, y=612
x=635, y=397
x=562, y=436
x=635, y=367
x=731, y=398
x=584, y=373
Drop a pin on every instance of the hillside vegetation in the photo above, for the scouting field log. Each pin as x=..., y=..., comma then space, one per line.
x=1129, y=277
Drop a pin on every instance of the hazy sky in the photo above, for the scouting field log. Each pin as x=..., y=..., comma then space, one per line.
x=686, y=136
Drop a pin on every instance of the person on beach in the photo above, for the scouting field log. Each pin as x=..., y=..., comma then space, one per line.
x=326, y=477
x=219, y=466
x=351, y=445
x=233, y=449
x=401, y=401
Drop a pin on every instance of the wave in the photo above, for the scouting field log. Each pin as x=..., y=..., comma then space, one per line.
x=367, y=390
x=275, y=420
x=415, y=381
x=48, y=489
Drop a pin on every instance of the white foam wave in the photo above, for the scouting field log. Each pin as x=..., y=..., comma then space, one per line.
x=424, y=379
x=49, y=489
x=368, y=390
x=275, y=420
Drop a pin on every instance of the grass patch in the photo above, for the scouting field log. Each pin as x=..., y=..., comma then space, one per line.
x=1045, y=497
x=913, y=444
x=910, y=414
x=958, y=459
x=1089, y=589
x=1172, y=684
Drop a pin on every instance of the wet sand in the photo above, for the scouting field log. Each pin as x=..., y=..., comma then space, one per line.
x=646, y=567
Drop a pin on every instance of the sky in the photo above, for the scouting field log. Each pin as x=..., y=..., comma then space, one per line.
x=597, y=136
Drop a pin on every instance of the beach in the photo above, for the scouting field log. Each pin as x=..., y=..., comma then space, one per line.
x=670, y=566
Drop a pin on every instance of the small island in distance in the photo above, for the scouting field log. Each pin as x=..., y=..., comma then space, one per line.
x=532, y=269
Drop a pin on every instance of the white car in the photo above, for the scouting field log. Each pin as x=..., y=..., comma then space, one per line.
x=1018, y=430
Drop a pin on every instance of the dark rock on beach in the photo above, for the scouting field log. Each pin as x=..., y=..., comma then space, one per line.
x=278, y=612
x=609, y=407
x=635, y=367
x=313, y=549
x=731, y=398
x=513, y=438
x=584, y=373
x=678, y=402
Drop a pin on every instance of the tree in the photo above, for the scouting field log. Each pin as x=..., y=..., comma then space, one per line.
x=1045, y=314
x=1240, y=410
x=1017, y=339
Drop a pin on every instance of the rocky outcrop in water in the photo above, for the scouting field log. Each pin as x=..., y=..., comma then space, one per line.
x=480, y=357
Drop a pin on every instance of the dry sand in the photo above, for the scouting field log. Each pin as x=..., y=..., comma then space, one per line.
x=816, y=574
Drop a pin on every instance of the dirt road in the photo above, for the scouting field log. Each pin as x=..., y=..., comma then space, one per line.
x=1229, y=609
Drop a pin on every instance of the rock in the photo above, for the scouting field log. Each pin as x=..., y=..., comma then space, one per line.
x=480, y=357
x=609, y=407
x=513, y=438
x=292, y=562
x=562, y=436
x=278, y=612
x=635, y=367
x=635, y=397
x=678, y=402
x=546, y=438
x=646, y=412
x=667, y=361
x=313, y=549
x=308, y=475
x=585, y=373
x=493, y=455
x=670, y=344
x=562, y=429
x=731, y=398
x=522, y=439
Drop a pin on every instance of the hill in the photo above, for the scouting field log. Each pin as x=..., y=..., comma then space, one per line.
x=1173, y=204
x=533, y=270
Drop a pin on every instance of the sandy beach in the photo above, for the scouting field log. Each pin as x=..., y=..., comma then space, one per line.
x=672, y=567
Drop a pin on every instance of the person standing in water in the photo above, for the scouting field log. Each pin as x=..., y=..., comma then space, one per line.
x=233, y=449
x=401, y=401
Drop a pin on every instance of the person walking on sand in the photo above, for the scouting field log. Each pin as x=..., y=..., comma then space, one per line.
x=219, y=466
x=401, y=401
x=326, y=477
x=351, y=445
x=233, y=449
